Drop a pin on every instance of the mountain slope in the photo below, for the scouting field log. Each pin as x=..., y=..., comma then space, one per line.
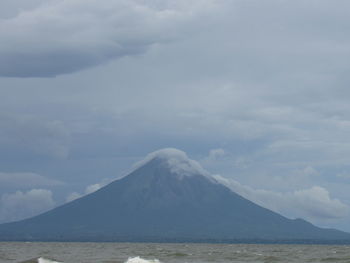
x=167, y=198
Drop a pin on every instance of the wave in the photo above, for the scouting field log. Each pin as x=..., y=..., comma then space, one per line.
x=130, y=260
x=45, y=260
x=141, y=260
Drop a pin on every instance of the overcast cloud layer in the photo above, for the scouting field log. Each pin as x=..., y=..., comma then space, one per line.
x=58, y=37
x=256, y=91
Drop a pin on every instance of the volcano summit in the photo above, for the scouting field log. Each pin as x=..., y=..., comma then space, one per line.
x=167, y=198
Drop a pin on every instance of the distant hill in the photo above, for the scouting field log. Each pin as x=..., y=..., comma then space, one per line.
x=167, y=198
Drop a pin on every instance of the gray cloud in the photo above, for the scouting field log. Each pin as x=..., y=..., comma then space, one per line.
x=25, y=180
x=24, y=136
x=215, y=154
x=11, y=8
x=21, y=205
x=61, y=37
x=266, y=81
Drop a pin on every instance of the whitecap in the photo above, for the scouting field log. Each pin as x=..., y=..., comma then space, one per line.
x=141, y=260
x=44, y=260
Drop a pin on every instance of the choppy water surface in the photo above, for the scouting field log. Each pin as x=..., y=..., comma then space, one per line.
x=169, y=253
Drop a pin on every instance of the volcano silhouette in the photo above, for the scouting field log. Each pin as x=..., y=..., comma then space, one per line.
x=169, y=198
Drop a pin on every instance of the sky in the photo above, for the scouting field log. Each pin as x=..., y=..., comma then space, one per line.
x=255, y=91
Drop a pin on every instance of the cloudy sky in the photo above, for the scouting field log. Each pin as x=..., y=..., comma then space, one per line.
x=256, y=91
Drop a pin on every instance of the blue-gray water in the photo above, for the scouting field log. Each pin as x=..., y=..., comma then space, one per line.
x=172, y=253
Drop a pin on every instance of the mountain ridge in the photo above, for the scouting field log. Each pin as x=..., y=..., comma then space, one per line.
x=167, y=197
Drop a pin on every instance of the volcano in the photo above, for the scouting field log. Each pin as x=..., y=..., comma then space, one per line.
x=166, y=198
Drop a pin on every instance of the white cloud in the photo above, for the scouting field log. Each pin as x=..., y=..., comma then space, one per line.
x=317, y=203
x=66, y=36
x=21, y=205
x=93, y=188
x=73, y=196
x=314, y=204
x=88, y=190
x=177, y=160
x=25, y=180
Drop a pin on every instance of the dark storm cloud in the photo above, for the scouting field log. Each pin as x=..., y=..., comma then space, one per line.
x=61, y=37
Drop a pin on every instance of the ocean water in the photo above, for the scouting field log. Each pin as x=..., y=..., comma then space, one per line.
x=169, y=253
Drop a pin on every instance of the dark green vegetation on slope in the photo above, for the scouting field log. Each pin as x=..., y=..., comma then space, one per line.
x=155, y=203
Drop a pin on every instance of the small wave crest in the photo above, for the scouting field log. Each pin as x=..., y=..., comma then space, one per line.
x=141, y=260
x=130, y=260
x=45, y=260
